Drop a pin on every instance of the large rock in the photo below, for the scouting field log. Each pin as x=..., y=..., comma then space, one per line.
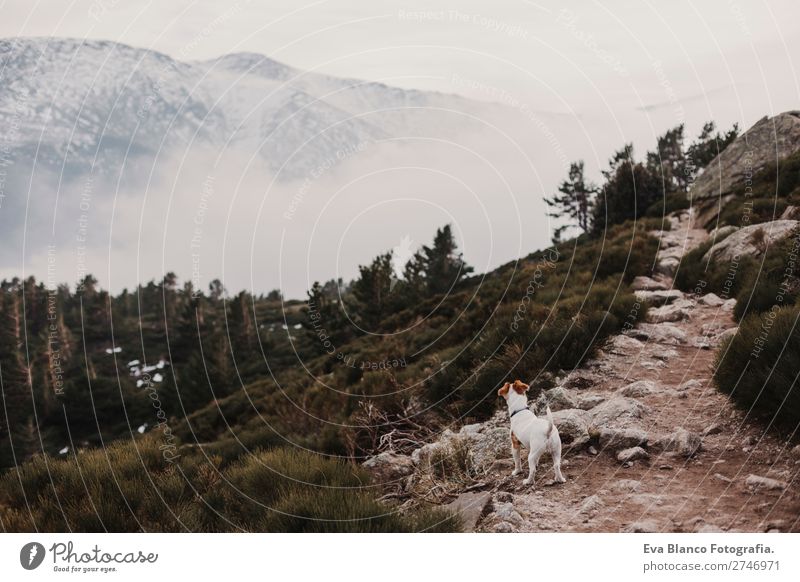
x=613, y=409
x=487, y=446
x=638, y=389
x=642, y=283
x=558, y=398
x=632, y=454
x=388, y=466
x=768, y=141
x=751, y=240
x=470, y=507
x=624, y=345
x=711, y=300
x=573, y=426
x=667, y=313
x=625, y=438
x=663, y=297
x=757, y=482
x=682, y=441
x=662, y=333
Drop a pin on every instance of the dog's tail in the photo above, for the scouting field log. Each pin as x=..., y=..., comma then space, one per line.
x=551, y=424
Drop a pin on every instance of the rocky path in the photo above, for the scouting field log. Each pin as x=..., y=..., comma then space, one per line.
x=650, y=444
x=699, y=464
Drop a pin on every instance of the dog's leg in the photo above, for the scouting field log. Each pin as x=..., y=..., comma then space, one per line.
x=515, y=446
x=555, y=449
x=533, y=460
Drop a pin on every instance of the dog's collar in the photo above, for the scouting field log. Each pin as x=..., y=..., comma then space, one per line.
x=517, y=411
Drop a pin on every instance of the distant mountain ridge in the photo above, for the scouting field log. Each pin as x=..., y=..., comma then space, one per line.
x=81, y=104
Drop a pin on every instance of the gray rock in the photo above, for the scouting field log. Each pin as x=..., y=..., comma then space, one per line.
x=579, y=380
x=642, y=283
x=770, y=138
x=692, y=384
x=660, y=297
x=638, y=389
x=682, y=442
x=662, y=333
x=558, y=398
x=757, y=483
x=591, y=504
x=486, y=447
x=712, y=430
x=729, y=305
x=719, y=233
x=632, y=454
x=589, y=401
x=625, y=438
x=506, y=512
x=572, y=425
x=615, y=408
x=388, y=466
x=751, y=240
x=711, y=300
x=624, y=345
x=708, y=528
x=667, y=313
x=470, y=507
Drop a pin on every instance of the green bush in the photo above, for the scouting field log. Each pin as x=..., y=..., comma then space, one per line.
x=129, y=487
x=759, y=366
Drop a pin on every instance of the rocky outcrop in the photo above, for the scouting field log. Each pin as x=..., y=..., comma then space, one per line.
x=387, y=467
x=751, y=240
x=470, y=507
x=767, y=142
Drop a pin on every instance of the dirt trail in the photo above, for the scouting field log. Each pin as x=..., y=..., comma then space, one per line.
x=667, y=492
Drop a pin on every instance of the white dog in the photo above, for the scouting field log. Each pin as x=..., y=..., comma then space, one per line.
x=536, y=434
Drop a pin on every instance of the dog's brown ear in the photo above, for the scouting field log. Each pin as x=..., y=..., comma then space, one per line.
x=520, y=387
x=504, y=390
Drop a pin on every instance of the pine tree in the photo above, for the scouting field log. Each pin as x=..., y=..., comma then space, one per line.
x=443, y=264
x=371, y=290
x=574, y=201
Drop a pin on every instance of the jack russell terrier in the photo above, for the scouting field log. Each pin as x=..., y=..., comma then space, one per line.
x=536, y=434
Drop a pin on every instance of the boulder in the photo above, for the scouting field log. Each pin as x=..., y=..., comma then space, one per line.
x=591, y=504
x=624, y=345
x=711, y=300
x=572, y=425
x=659, y=297
x=485, y=448
x=682, y=441
x=624, y=438
x=638, y=389
x=387, y=466
x=767, y=142
x=632, y=454
x=470, y=507
x=692, y=384
x=756, y=483
x=721, y=232
x=505, y=512
x=613, y=409
x=751, y=240
x=558, y=398
x=589, y=401
x=668, y=313
x=642, y=283
x=729, y=305
x=663, y=333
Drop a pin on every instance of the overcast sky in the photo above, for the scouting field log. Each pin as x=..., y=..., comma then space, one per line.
x=625, y=70
x=732, y=58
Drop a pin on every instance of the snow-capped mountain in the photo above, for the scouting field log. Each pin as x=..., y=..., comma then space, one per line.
x=80, y=104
